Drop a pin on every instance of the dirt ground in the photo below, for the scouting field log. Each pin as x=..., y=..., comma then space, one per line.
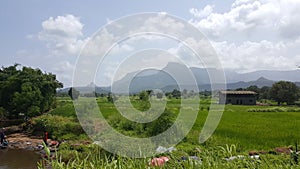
x=23, y=141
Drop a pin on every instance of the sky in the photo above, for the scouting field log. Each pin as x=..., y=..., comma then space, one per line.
x=247, y=35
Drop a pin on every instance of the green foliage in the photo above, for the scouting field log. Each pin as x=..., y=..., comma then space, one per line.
x=264, y=93
x=161, y=124
x=28, y=91
x=73, y=93
x=284, y=91
x=276, y=109
x=211, y=157
x=144, y=95
x=111, y=97
x=64, y=108
x=176, y=94
x=58, y=127
x=159, y=95
x=238, y=132
x=3, y=113
x=153, y=128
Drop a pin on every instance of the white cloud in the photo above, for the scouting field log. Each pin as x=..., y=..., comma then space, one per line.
x=276, y=16
x=62, y=34
x=254, y=35
x=263, y=55
x=207, y=10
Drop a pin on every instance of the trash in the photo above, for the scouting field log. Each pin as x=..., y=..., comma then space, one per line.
x=159, y=161
x=235, y=157
x=54, y=143
x=196, y=159
x=256, y=157
x=161, y=149
x=40, y=146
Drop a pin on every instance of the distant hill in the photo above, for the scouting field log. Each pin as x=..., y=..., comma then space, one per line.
x=87, y=89
x=259, y=82
x=161, y=79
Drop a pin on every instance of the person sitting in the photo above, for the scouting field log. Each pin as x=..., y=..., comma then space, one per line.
x=2, y=136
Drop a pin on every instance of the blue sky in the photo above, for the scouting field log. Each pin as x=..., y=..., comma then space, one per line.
x=247, y=35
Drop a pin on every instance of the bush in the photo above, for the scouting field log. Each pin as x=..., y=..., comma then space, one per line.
x=267, y=110
x=58, y=127
x=153, y=128
x=3, y=113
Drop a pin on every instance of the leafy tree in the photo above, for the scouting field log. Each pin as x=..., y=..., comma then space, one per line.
x=111, y=97
x=176, y=94
x=264, y=92
x=161, y=124
x=253, y=88
x=73, y=93
x=144, y=95
x=159, y=95
x=27, y=90
x=191, y=93
x=150, y=92
x=284, y=91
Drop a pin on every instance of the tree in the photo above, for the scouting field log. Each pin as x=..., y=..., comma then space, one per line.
x=26, y=90
x=144, y=95
x=159, y=95
x=253, y=88
x=264, y=92
x=284, y=91
x=176, y=94
x=184, y=93
x=111, y=97
x=73, y=93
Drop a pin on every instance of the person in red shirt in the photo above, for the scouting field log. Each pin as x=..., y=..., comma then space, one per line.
x=45, y=138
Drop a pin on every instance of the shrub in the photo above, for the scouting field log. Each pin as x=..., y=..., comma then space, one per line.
x=267, y=110
x=58, y=127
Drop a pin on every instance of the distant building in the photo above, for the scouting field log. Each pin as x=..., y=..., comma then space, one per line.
x=237, y=97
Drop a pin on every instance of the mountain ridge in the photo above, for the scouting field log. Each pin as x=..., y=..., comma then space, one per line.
x=161, y=79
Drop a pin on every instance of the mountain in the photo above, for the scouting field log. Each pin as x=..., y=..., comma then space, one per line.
x=161, y=79
x=87, y=89
x=170, y=75
x=174, y=73
x=241, y=84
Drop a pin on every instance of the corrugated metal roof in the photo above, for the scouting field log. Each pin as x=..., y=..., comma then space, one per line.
x=238, y=92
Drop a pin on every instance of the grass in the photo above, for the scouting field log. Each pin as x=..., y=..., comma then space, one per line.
x=210, y=158
x=247, y=127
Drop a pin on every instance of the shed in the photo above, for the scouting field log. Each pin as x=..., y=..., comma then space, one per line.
x=237, y=97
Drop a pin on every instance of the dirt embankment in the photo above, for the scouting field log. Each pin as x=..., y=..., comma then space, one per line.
x=23, y=141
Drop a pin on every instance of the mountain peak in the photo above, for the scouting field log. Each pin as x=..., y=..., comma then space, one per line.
x=262, y=79
x=173, y=64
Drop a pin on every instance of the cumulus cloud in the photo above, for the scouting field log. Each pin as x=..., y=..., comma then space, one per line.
x=245, y=16
x=207, y=10
x=62, y=34
x=251, y=56
x=254, y=35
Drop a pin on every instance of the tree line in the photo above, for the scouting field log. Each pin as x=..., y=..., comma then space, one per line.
x=26, y=91
x=281, y=92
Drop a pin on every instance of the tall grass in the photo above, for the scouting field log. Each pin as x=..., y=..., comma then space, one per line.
x=206, y=158
x=246, y=127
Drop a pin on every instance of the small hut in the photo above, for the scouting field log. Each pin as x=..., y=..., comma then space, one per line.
x=237, y=97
